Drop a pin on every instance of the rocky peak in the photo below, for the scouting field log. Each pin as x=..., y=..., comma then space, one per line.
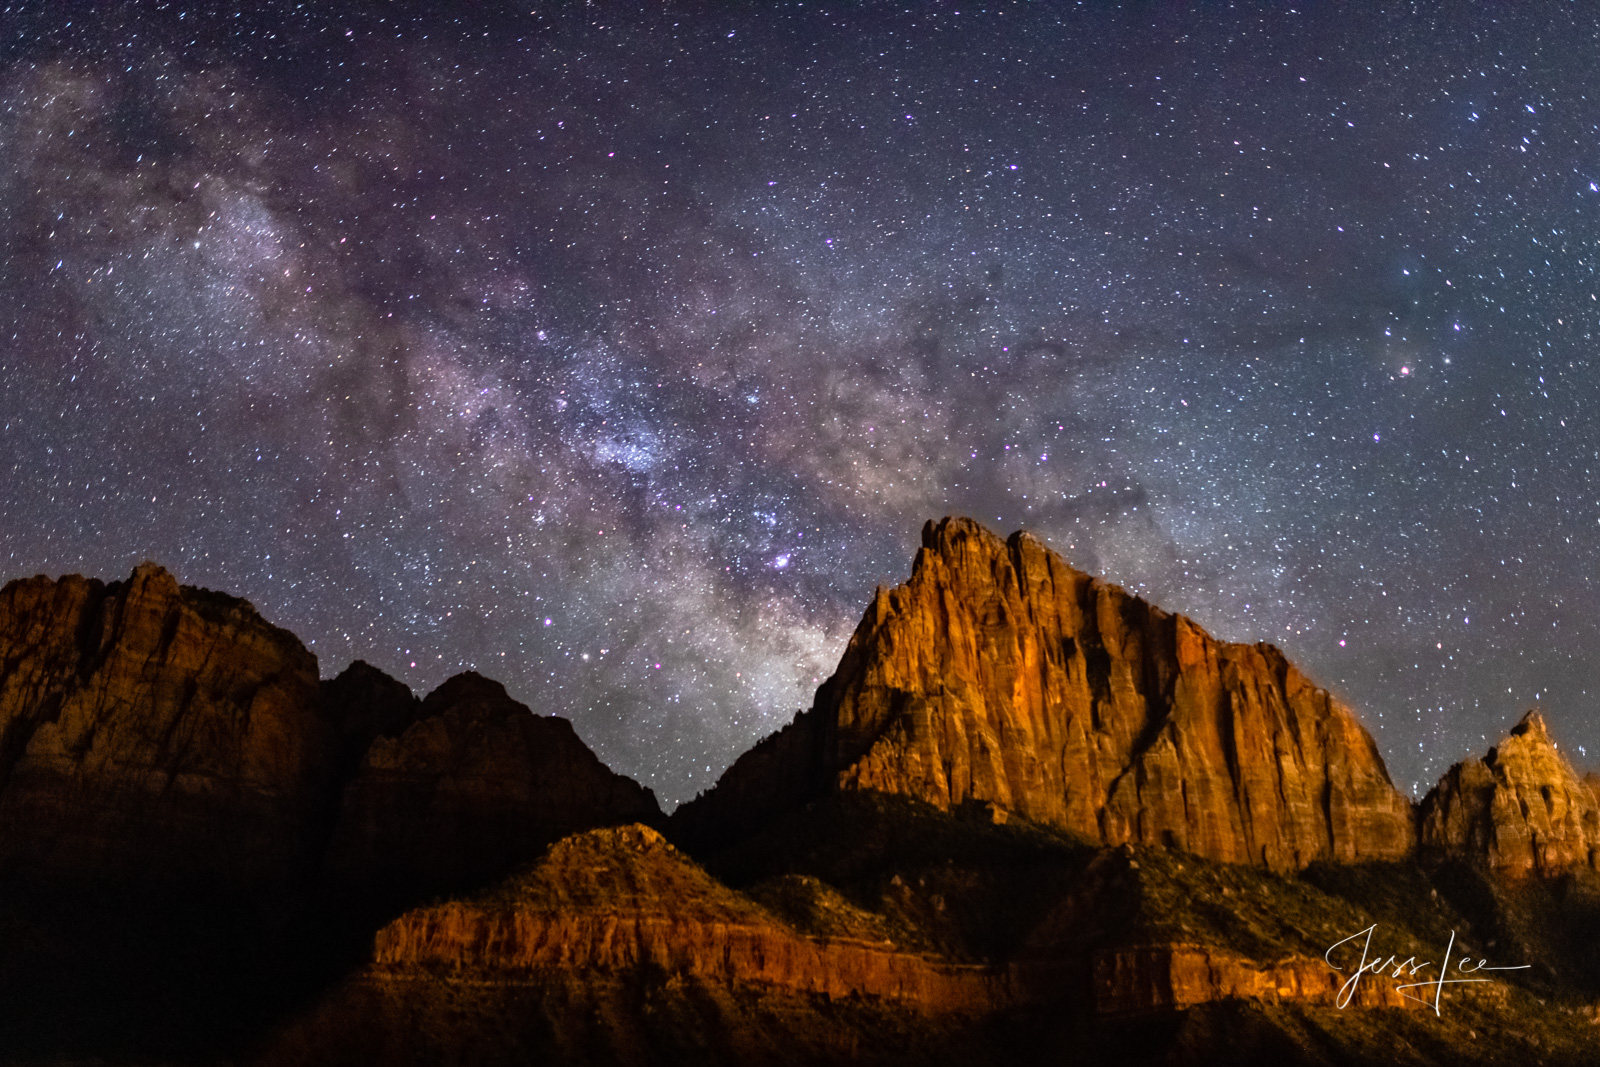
x=999, y=673
x=363, y=703
x=152, y=730
x=1522, y=809
x=473, y=784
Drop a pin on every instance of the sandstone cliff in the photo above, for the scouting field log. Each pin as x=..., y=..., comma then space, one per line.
x=1520, y=810
x=998, y=673
x=473, y=785
x=152, y=732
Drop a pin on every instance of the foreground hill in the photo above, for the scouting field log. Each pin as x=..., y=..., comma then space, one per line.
x=876, y=929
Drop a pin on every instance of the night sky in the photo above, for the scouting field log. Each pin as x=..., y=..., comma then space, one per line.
x=620, y=356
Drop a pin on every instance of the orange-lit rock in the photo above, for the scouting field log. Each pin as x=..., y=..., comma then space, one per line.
x=153, y=732
x=999, y=673
x=623, y=899
x=1174, y=977
x=1521, y=809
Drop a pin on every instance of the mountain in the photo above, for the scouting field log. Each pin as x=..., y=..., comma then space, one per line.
x=193, y=826
x=1000, y=674
x=1520, y=810
x=157, y=733
x=473, y=784
x=1030, y=818
x=616, y=948
x=153, y=733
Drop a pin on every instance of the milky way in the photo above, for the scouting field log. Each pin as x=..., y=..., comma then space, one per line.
x=618, y=357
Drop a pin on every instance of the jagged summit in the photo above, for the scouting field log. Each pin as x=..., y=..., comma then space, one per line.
x=1531, y=723
x=1522, y=809
x=1000, y=673
x=198, y=836
x=471, y=784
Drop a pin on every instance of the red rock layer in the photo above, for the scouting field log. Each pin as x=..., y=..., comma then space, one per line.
x=474, y=785
x=623, y=899
x=153, y=732
x=1520, y=810
x=998, y=673
x=1175, y=977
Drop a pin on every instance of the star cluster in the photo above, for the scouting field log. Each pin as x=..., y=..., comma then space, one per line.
x=618, y=356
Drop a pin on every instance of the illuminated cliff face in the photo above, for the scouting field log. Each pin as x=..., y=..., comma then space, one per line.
x=1521, y=809
x=998, y=673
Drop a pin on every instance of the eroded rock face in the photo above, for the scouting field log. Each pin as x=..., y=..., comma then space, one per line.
x=999, y=673
x=1520, y=810
x=153, y=732
x=623, y=899
x=475, y=784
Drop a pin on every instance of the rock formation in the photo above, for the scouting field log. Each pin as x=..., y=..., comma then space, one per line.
x=998, y=673
x=1520, y=810
x=198, y=839
x=150, y=732
x=623, y=899
x=475, y=784
x=195, y=830
x=155, y=732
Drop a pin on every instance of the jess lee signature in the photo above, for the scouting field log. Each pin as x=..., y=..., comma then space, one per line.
x=1409, y=968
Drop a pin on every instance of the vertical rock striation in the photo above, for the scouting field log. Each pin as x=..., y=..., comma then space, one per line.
x=998, y=673
x=153, y=732
x=1520, y=810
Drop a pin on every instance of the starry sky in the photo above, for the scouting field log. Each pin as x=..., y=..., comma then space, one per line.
x=619, y=356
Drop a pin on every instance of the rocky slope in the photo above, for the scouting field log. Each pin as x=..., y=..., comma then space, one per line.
x=617, y=926
x=615, y=948
x=1520, y=810
x=998, y=673
x=624, y=899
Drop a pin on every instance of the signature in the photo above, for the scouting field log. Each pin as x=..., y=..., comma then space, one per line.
x=1410, y=968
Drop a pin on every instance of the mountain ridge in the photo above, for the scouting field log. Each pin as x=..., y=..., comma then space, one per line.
x=1027, y=805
